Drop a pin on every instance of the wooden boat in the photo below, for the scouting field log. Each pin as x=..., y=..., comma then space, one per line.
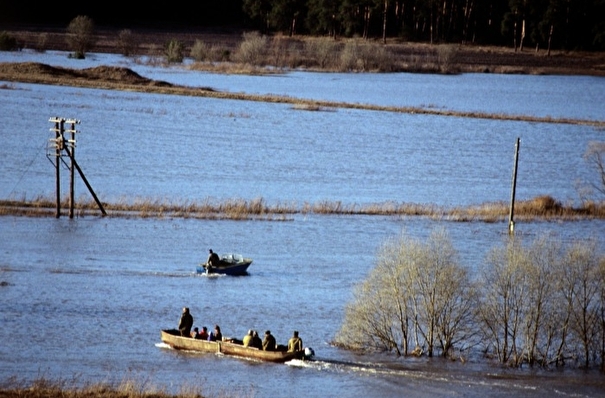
x=173, y=338
x=231, y=264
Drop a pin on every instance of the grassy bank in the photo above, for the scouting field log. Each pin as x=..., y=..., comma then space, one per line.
x=117, y=78
x=44, y=388
x=539, y=208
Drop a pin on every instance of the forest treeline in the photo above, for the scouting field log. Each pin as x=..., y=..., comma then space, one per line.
x=560, y=24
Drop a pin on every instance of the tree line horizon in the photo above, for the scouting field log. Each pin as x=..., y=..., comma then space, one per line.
x=535, y=24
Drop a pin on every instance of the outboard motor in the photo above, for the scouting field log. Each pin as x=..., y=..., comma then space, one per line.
x=309, y=353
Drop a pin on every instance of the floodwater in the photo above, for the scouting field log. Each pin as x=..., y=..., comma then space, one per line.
x=84, y=299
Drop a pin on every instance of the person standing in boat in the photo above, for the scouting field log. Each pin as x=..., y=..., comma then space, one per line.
x=213, y=259
x=185, y=323
x=295, y=343
x=269, y=343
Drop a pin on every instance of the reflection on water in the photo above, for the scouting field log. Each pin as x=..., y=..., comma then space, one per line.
x=88, y=296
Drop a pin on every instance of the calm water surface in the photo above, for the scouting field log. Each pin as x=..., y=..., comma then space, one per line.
x=86, y=298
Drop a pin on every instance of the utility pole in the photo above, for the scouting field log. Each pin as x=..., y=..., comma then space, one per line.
x=511, y=222
x=62, y=143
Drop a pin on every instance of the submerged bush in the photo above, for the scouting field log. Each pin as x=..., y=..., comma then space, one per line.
x=80, y=35
x=174, y=51
x=7, y=42
x=127, y=42
x=541, y=304
x=321, y=51
x=252, y=49
x=200, y=51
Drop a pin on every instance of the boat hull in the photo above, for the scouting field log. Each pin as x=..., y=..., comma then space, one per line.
x=240, y=268
x=173, y=338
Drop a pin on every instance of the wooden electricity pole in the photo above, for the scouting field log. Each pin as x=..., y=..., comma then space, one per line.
x=511, y=222
x=61, y=143
x=58, y=142
x=71, y=142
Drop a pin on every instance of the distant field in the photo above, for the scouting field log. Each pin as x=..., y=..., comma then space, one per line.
x=413, y=56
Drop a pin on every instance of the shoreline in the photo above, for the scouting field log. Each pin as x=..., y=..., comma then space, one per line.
x=412, y=57
x=120, y=78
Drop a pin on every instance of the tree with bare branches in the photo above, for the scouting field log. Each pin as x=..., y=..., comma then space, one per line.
x=80, y=35
x=595, y=156
x=418, y=294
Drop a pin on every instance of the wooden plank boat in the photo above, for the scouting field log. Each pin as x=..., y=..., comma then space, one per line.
x=173, y=338
x=231, y=264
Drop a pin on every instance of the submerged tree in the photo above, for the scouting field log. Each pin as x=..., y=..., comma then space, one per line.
x=416, y=295
x=595, y=156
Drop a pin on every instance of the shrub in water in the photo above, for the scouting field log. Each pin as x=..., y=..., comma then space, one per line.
x=7, y=42
x=252, y=49
x=80, y=35
x=174, y=51
x=127, y=42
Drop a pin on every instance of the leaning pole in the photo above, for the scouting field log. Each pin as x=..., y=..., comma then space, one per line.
x=511, y=220
x=60, y=143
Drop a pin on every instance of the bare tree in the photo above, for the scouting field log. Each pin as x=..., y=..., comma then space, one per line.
x=504, y=300
x=378, y=316
x=80, y=35
x=127, y=42
x=417, y=294
x=582, y=293
x=541, y=322
x=602, y=311
x=595, y=156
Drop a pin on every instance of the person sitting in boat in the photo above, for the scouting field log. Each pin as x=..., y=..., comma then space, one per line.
x=185, y=323
x=256, y=341
x=295, y=343
x=215, y=335
x=203, y=335
x=247, y=340
x=213, y=259
x=269, y=343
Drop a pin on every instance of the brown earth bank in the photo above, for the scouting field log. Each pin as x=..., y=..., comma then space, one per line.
x=468, y=57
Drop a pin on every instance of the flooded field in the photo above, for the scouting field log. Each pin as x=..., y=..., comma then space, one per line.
x=89, y=295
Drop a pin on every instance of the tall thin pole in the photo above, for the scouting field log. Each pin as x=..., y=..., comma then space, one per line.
x=58, y=145
x=511, y=222
x=71, y=169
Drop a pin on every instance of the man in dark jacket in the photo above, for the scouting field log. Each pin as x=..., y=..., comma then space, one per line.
x=213, y=259
x=269, y=342
x=186, y=323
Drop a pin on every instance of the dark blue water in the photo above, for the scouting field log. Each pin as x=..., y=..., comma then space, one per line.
x=85, y=298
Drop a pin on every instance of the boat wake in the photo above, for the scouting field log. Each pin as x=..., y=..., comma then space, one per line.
x=449, y=379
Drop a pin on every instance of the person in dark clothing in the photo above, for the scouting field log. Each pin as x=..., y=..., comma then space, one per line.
x=186, y=323
x=215, y=335
x=269, y=343
x=256, y=341
x=213, y=259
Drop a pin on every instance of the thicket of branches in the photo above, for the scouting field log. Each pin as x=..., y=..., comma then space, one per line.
x=561, y=24
x=541, y=303
x=539, y=23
